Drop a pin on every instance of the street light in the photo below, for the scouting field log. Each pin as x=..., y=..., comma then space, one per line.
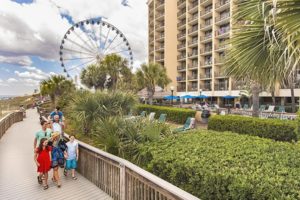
x=172, y=90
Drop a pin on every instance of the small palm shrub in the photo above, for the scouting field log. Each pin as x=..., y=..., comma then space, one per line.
x=123, y=137
x=86, y=108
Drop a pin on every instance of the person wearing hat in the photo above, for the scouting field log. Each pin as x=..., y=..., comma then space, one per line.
x=57, y=158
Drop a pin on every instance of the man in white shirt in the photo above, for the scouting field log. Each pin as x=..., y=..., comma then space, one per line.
x=57, y=126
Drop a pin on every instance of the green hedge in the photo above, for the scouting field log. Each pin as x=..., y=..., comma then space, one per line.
x=213, y=165
x=177, y=115
x=279, y=130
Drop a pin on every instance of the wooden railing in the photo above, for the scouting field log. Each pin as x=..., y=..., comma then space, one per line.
x=123, y=180
x=9, y=120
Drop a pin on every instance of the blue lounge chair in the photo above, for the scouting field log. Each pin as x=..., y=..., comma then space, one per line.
x=162, y=118
x=189, y=124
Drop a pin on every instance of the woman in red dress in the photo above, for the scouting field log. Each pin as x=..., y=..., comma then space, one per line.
x=42, y=158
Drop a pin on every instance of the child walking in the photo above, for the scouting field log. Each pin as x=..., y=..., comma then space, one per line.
x=72, y=156
x=42, y=158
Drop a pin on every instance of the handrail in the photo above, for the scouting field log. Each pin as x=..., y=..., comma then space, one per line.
x=123, y=180
x=9, y=120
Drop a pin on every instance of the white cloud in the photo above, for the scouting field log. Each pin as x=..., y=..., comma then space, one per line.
x=24, y=32
x=32, y=75
x=12, y=80
x=16, y=60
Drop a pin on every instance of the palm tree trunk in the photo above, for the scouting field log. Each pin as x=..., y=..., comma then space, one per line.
x=150, y=96
x=273, y=97
x=255, y=87
x=293, y=94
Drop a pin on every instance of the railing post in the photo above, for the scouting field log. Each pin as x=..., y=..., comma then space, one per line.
x=122, y=182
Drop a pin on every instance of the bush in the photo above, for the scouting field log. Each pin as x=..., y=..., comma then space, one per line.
x=177, y=115
x=213, y=165
x=122, y=137
x=279, y=130
x=85, y=108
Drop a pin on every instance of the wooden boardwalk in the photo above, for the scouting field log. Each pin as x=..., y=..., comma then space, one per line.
x=18, y=171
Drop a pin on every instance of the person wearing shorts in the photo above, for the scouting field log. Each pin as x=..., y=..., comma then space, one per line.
x=71, y=157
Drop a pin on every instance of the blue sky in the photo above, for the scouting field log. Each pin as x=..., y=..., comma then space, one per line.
x=31, y=32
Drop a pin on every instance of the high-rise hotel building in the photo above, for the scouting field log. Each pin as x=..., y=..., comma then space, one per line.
x=189, y=38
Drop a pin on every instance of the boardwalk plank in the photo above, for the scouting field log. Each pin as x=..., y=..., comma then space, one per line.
x=18, y=171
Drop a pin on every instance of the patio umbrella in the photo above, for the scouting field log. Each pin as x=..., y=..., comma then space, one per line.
x=170, y=97
x=229, y=97
x=188, y=97
x=202, y=96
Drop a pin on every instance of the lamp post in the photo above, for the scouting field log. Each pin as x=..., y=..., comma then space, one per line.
x=172, y=90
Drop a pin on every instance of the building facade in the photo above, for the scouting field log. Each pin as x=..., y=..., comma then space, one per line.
x=189, y=38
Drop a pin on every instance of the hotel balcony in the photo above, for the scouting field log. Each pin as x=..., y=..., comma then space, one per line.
x=181, y=68
x=222, y=5
x=181, y=14
x=180, y=78
x=193, y=54
x=180, y=89
x=220, y=75
x=180, y=46
x=193, y=77
x=193, y=43
x=219, y=61
x=205, y=76
x=193, y=31
x=221, y=47
x=205, y=39
x=160, y=48
x=181, y=57
x=205, y=2
x=206, y=14
x=224, y=19
x=221, y=86
x=159, y=26
x=181, y=36
x=193, y=20
x=223, y=33
x=206, y=50
x=193, y=7
x=160, y=5
x=193, y=66
x=160, y=38
x=181, y=25
x=160, y=16
x=192, y=88
x=206, y=27
x=181, y=4
x=205, y=87
x=159, y=58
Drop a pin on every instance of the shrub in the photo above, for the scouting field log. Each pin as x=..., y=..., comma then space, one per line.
x=122, y=137
x=177, y=115
x=213, y=165
x=280, y=130
x=85, y=108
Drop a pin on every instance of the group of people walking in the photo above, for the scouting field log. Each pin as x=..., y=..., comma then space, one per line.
x=51, y=151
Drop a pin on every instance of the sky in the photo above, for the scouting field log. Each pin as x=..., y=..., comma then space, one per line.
x=31, y=32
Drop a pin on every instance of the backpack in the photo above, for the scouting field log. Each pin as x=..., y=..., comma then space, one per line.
x=62, y=145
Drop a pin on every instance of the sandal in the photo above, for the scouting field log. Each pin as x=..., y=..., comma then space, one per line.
x=74, y=178
x=46, y=187
x=65, y=172
x=39, y=180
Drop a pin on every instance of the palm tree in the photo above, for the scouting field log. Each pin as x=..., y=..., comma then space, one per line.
x=151, y=75
x=261, y=47
x=93, y=76
x=56, y=86
x=116, y=67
